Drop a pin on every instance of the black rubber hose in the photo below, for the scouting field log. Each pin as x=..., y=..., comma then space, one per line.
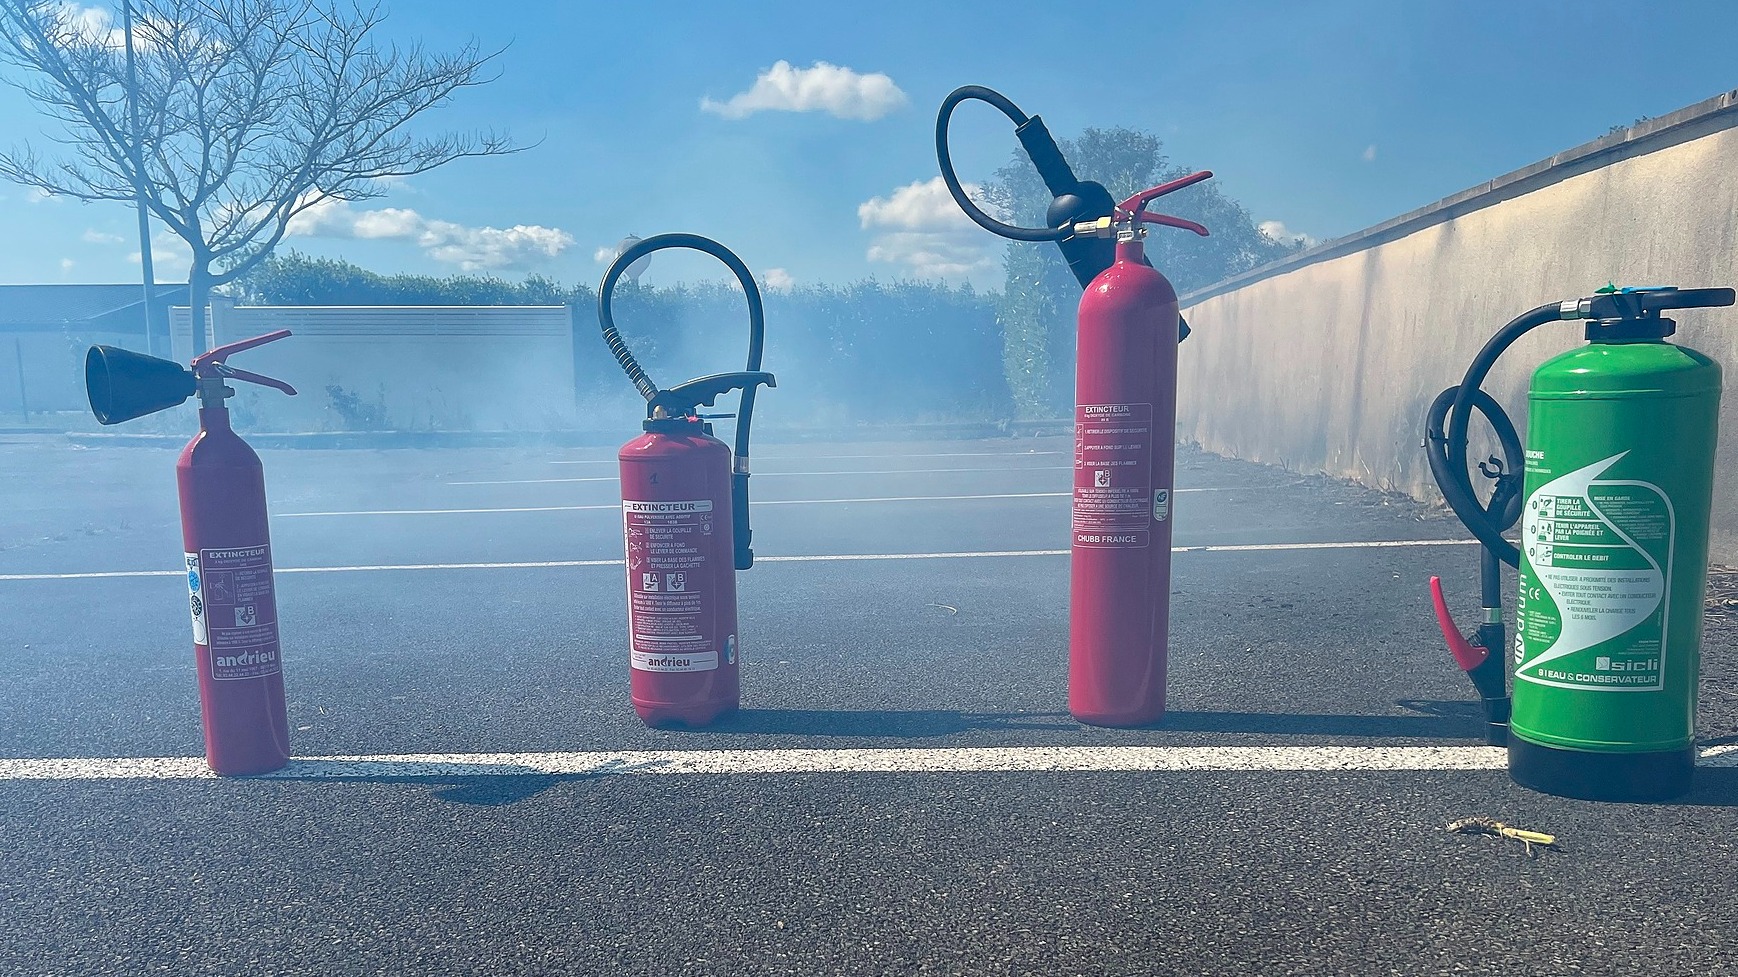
x=756, y=316
x=1490, y=519
x=744, y=556
x=945, y=158
x=1446, y=442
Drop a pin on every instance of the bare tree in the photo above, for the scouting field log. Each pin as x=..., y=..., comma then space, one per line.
x=245, y=113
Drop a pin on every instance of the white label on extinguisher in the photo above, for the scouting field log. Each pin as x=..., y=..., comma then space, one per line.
x=670, y=620
x=241, y=613
x=196, y=599
x=1113, y=476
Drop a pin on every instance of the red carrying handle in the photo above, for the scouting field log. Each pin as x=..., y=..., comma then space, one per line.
x=210, y=364
x=1134, y=208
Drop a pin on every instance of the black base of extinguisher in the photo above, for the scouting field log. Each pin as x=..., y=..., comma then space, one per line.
x=1593, y=776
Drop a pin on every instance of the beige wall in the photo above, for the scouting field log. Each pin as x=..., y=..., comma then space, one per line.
x=1327, y=362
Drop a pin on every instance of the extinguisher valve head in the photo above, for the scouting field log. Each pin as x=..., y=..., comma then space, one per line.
x=1101, y=227
x=682, y=401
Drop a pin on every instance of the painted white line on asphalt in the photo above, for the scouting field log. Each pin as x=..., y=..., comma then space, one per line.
x=1357, y=545
x=617, y=505
x=614, y=505
x=888, y=471
x=1022, y=759
x=813, y=558
x=943, y=454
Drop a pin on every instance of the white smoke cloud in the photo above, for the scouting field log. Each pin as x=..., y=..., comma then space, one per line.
x=470, y=248
x=1277, y=231
x=777, y=280
x=919, y=228
x=824, y=87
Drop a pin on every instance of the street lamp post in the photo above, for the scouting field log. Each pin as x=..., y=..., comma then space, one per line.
x=152, y=333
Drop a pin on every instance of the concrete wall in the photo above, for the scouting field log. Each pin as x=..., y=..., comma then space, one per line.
x=411, y=368
x=1327, y=361
x=43, y=369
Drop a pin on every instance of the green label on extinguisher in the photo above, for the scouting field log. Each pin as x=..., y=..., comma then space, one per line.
x=1596, y=584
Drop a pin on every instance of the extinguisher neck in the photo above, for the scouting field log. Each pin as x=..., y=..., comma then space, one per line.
x=213, y=413
x=1131, y=248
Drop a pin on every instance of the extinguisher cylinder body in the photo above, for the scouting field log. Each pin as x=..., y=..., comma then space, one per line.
x=677, y=521
x=1124, y=462
x=1614, y=555
x=232, y=599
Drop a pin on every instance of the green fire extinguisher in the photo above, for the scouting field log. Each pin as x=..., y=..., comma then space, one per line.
x=1612, y=492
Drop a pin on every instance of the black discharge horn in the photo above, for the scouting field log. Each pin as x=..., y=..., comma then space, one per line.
x=123, y=384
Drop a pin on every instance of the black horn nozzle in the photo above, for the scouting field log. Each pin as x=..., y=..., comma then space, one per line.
x=123, y=384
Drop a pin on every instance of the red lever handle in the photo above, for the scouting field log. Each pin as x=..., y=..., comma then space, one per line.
x=1133, y=205
x=1169, y=221
x=1466, y=654
x=214, y=356
x=210, y=364
x=264, y=381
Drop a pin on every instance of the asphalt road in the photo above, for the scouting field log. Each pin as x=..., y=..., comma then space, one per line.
x=399, y=642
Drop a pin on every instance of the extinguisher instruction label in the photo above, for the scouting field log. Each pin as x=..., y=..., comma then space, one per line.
x=1595, y=583
x=196, y=599
x=1114, y=499
x=240, y=611
x=669, y=621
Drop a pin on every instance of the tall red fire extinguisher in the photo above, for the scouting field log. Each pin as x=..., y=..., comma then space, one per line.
x=227, y=546
x=1124, y=422
x=685, y=519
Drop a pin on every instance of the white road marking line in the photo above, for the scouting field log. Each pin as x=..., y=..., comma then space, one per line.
x=942, y=454
x=813, y=558
x=1023, y=759
x=613, y=505
x=617, y=505
x=889, y=471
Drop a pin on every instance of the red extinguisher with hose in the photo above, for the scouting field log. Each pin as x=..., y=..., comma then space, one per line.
x=227, y=545
x=1124, y=422
x=685, y=519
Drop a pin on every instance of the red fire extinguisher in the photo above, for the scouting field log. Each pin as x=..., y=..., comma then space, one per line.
x=227, y=553
x=1125, y=417
x=685, y=520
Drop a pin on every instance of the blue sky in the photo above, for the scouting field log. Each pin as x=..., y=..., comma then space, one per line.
x=1325, y=117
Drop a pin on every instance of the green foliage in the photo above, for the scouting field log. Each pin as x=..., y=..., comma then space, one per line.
x=298, y=279
x=1041, y=295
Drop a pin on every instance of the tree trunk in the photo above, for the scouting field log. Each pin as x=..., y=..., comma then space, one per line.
x=199, y=303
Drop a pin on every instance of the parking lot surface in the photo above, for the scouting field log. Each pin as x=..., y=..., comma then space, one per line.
x=902, y=792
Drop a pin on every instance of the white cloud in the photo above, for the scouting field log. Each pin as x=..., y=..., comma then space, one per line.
x=470, y=248
x=66, y=265
x=94, y=236
x=1277, y=231
x=604, y=256
x=99, y=25
x=823, y=87
x=168, y=254
x=1370, y=153
x=777, y=280
x=920, y=228
x=37, y=195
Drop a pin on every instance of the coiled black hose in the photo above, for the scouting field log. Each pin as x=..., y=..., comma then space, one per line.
x=744, y=556
x=1446, y=443
x=1046, y=166
x=756, y=317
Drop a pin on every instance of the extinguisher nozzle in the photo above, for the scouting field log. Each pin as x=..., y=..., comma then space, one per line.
x=123, y=384
x=1467, y=655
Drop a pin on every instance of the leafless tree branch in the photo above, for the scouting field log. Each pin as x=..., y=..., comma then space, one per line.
x=248, y=113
